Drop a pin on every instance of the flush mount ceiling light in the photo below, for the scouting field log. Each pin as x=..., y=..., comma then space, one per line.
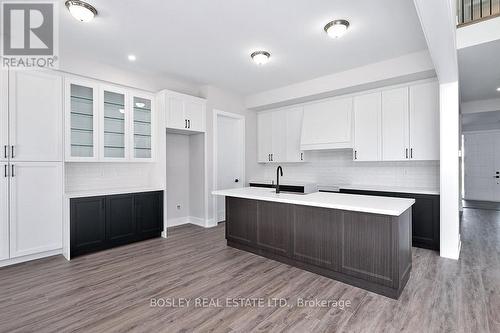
x=131, y=57
x=336, y=28
x=81, y=10
x=260, y=57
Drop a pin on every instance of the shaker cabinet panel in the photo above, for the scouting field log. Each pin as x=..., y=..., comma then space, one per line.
x=293, y=131
x=88, y=231
x=35, y=218
x=4, y=115
x=264, y=136
x=424, y=121
x=120, y=219
x=184, y=112
x=367, y=127
x=4, y=212
x=35, y=116
x=395, y=125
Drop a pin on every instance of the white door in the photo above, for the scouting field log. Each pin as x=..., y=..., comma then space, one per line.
x=4, y=115
x=278, y=141
x=480, y=166
x=194, y=111
x=424, y=121
x=395, y=125
x=230, y=157
x=35, y=207
x=175, y=116
x=4, y=211
x=35, y=111
x=367, y=145
x=293, y=130
x=264, y=136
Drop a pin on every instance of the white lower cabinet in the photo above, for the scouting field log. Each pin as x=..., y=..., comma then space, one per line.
x=4, y=213
x=35, y=216
x=367, y=119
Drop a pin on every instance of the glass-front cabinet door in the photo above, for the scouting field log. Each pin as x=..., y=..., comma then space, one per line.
x=114, y=120
x=81, y=121
x=142, y=127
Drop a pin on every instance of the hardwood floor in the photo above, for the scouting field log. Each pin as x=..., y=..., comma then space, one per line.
x=111, y=291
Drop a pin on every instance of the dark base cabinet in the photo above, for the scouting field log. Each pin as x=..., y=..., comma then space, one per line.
x=102, y=222
x=369, y=251
x=425, y=212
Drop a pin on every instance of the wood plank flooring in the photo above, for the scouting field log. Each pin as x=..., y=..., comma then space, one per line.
x=111, y=291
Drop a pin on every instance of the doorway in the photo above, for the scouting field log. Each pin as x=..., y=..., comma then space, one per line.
x=229, y=157
x=482, y=166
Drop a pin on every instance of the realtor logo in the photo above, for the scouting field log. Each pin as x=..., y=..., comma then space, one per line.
x=29, y=34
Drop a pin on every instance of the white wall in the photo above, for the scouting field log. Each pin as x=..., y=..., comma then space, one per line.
x=178, y=164
x=226, y=101
x=336, y=167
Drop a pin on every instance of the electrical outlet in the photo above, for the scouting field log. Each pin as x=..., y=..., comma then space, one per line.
x=178, y=206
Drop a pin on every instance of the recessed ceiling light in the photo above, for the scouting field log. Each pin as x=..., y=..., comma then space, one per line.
x=81, y=10
x=260, y=57
x=131, y=57
x=337, y=28
x=140, y=104
x=498, y=89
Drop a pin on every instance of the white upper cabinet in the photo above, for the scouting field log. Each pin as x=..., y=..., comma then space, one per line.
x=114, y=123
x=264, y=136
x=35, y=116
x=4, y=115
x=327, y=124
x=278, y=135
x=81, y=120
x=143, y=133
x=367, y=127
x=293, y=129
x=395, y=125
x=184, y=112
x=424, y=121
x=195, y=114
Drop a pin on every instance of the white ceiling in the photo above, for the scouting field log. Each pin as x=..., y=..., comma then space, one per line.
x=209, y=41
x=479, y=70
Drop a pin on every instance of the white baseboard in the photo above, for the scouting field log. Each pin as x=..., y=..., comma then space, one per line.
x=187, y=220
x=13, y=261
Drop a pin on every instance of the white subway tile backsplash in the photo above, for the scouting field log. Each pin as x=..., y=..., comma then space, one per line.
x=337, y=167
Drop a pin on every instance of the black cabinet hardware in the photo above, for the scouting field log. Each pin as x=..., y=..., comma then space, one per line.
x=189, y=123
x=355, y=154
x=411, y=153
x=5, y=151
x=185, y=123
x=6, y=171
x=301, y=156
x=406, y=152
x=236, y=180
x=13, y=174
x=497, y=176
x=12, y=154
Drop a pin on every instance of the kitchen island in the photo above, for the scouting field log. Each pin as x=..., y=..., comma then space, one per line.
x=364, y=241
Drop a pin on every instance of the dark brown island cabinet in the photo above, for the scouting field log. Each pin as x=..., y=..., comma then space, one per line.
x=369, y=251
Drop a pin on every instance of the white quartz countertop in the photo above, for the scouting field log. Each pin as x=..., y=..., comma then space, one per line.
x=113, y=191
x=351, y=202
x=381, y=188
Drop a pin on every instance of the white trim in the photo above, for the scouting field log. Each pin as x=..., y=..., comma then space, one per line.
x=30, y=257
x=186, y=220
x=241, y=119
